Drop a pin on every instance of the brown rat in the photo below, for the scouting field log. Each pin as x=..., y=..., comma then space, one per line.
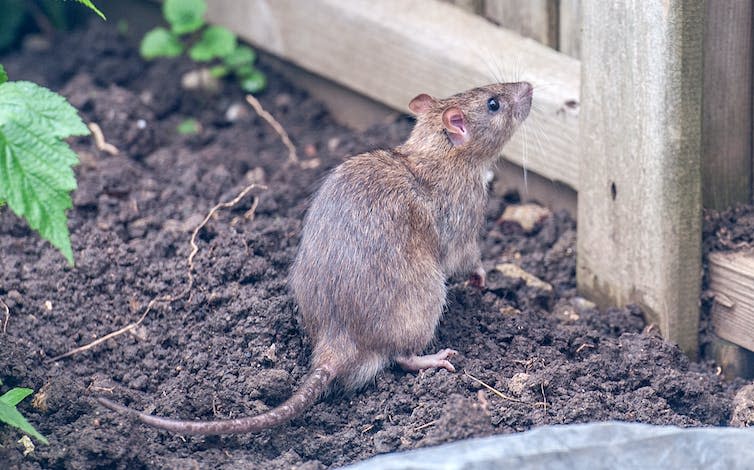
x=382, y=235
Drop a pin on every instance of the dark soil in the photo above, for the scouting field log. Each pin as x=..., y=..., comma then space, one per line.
x=236, y=346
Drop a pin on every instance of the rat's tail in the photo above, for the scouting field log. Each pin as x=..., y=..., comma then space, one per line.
x=314, y=386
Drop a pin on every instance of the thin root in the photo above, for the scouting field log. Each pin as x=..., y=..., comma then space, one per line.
x=544, y=397
x=292, y=155
x=99, y=140
x=125, y=329
x=222, y=205
x=492, y=389
x=7, y=315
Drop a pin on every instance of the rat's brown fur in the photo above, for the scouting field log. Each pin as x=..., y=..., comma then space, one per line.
x=383, y=233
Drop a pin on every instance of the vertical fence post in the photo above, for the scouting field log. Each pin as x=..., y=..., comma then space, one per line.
x=639, y=208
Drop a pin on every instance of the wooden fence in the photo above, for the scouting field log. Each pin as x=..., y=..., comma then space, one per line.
x=644, y=110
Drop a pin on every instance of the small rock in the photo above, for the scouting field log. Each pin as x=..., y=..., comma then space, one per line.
x=514, y=271
x=333, y=144
x=527, y=216
x=271, y=354
x=200, y=79
x=236, y=111
x=743, y=407
x=582, y=305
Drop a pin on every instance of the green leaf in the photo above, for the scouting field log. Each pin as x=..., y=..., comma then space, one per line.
x=14, y=396
x=3, y=75
x=254, y=83
x=245, y=71
x=188, y=126
x=215, y=42
x=184, y=16
x=36, y=175
x=241, y=55
x=219, y=71
x=160, y=42
x=11, y=416
x=89, y=4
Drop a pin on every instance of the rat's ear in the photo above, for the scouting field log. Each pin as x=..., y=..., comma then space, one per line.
x=421, y=104
x=455, y=125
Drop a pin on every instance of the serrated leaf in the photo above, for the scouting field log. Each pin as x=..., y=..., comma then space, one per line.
x=36, y=175
x=254, y=83
x=91, y=6
x=160, y=42
x=184, y=16
x=11, y=416
x=48, y=112
x=241, y=55
x=3, y=75
x=14, y=396
x=216, y=41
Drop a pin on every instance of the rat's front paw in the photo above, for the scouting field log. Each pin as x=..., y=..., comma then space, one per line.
x=478, y=278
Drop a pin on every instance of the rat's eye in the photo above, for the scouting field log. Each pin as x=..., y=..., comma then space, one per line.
x=493, y=104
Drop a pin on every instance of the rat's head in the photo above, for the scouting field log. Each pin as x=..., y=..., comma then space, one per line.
x=480, y=120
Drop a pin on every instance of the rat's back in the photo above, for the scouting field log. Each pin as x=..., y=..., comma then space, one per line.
x=367, y=260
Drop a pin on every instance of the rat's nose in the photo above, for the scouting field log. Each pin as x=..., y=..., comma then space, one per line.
x=524, y=93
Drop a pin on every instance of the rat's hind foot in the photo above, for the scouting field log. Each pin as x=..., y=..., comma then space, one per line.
x=437, y=360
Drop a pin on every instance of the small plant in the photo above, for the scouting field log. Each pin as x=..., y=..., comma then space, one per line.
x=36, y=164
x=189, y=127
x=188, y=31
x=12, y=417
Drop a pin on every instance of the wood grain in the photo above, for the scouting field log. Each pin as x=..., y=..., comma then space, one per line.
x=731, y=280
x=569, y=19
x=639, y=207
x=536, y=19
x=392, y=50
x=727, y=120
